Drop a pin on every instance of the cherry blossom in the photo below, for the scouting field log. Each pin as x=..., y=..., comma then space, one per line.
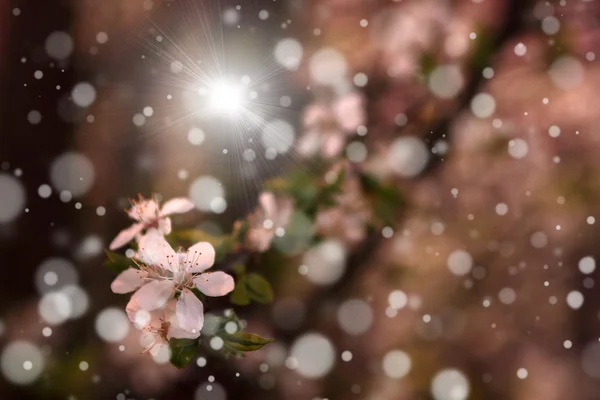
x=348, y=218
x=273, y=213
x=158, y=325
x=329, y=125
x=149, y=215
x=164, y=273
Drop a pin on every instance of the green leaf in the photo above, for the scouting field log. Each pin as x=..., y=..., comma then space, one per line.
x=183, y=351
x=241, y=341
x=240, y=294
x=300, y=185
x=386, y=200
x=258, y=288
x=239, y=269
x=117, y=262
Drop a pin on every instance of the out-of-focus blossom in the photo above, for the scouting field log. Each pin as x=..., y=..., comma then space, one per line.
x=148, y=214
x=328, y=126
x=273, y=213
x=348, y=218
x=163, y=273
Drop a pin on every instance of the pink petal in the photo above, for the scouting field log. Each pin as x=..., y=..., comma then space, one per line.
x=154, y=295
x=128, y=281
x=164, y=225
x=349, y=111
x=132, y=308
x=285, y=209
x=126, y=236
x=154, y=250
x=189, y=312
x=177, y=205
x=260, y=238
x=309, y=143
x=140, y=318
x=314, y=114
x=144, y=210
x=214, y=283
x=199, y=257
x=175, y=331
x=333, y=144
x=267, y=202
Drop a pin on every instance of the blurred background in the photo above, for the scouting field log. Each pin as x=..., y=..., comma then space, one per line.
x=481, y=114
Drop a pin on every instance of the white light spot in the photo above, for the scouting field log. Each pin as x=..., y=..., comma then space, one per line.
x=325, y=262
x=101, y=37
x=507, y=295
x=55, y=308
x=44, y=191
x=347, y=356
x=278, y=135
x=59, y=45
x=518, y=148
x=112, y=325
x=12, y=198
x=314, y=355
x=483, y=105
x=356, y=152
x=539, y=240
x=21, y=362
x=73, y=172
x=360, y=79
x=398, y=299
x=196, y=136
x=450, y=384
x=587, y=265
x=34, y=117
x=225, y=98
x=355, y=316
x=520, y=49
x=216, y=343
x=575, y=299
x=550, y=25
x=446, y=81
x=204, y=190
x=328, y=66
x=288, y=52
x=554, y=131
x=460, y=262
x=408, y=156
x=566, y=72
x=396, y=364
x=501, y=209
x=83, y=94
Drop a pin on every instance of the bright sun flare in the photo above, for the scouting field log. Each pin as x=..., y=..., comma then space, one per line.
x=224, y=97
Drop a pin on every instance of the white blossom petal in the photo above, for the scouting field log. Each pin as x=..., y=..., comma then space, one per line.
x=189, y=312
x=128, y=281
x=199, y=257
x=144, y=210
x=214, y=283
x=164, y=225
x=177, y=205
x=140, y=318
x=154, y=295
x=175, y=331
x=154, y=250
x=126, y=236
x=267, y=202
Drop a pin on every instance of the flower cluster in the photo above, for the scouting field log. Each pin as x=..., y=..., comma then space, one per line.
x=167, y=283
